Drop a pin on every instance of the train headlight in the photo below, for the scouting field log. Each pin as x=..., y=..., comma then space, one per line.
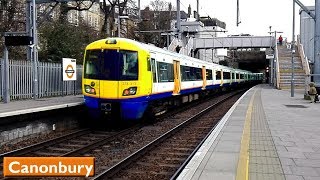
x=90, y=90
x=130, y=91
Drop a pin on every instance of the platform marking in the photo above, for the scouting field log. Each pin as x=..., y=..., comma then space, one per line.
x=243, y=163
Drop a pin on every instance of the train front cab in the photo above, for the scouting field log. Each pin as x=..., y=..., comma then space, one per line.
x=116, y=81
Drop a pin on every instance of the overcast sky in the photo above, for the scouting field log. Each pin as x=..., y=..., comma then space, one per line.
x=255, y=15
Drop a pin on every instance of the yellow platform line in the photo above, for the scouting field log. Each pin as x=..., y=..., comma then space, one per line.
x=243, y=163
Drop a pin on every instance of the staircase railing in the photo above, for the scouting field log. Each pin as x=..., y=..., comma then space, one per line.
x=277, y=66
x=305, y=64
x=174, y=43
x=187, y=49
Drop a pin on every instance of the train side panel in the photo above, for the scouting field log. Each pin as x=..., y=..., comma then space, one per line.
x=144, y=77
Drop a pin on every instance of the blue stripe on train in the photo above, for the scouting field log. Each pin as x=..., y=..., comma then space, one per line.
x=189, y=91
x=216, y=86
x=133, y=108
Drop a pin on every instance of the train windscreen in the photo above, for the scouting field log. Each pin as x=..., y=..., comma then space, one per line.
x=111, y=65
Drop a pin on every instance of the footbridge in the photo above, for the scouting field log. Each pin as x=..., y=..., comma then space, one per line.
x=234, y=42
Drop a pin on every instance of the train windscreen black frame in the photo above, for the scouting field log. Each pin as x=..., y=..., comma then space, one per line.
x=116, y=65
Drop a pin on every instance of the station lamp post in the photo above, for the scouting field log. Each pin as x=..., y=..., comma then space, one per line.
x=273, y=72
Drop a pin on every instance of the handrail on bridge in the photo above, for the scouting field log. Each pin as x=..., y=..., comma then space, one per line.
x=235, y=42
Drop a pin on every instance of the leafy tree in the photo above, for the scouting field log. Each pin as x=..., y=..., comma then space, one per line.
x=60, y=40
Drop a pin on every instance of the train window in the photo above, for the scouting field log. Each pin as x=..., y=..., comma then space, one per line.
x=111, y=65
x=148, y=64
x=241, y=76
x=109, y=69
x=218, y=75
x=198, y=72
x=153, y=67
x=209, y=74
x=191, y=73
x=92, y=64
x=165, y=72
x=233, y=75
x=226, y=75
x=238, y=75
x=185, y=72
x=129, y=63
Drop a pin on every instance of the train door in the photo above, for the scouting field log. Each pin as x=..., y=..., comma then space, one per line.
x=221, y=77
x=176, y=74
x=154, y=73
x=110, y=71
x=204, y=76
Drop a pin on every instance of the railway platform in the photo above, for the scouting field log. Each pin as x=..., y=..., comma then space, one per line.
x=44, y=104
x=267, y=134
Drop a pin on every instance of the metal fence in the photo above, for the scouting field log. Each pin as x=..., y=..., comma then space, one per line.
x=1, y=65
x=50, y=82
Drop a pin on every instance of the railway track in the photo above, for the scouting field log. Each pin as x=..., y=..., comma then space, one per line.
x=120, y=150
x=164, y=157
x=67, y=145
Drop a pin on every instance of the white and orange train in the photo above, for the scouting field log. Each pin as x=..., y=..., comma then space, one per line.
x=127, y=79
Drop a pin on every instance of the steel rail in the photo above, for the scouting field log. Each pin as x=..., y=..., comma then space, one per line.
x=41, y=145
x=136, y=155
x=101, y=142
x=177, y=173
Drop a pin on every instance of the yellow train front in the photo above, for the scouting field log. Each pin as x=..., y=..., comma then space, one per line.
x=116, y=78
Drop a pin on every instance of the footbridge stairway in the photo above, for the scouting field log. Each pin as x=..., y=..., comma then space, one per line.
x=285, y=68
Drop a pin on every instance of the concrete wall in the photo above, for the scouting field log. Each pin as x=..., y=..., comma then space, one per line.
x=34, y=129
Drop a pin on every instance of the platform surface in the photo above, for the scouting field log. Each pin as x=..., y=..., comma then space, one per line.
x=267, y=134
x=44, y=104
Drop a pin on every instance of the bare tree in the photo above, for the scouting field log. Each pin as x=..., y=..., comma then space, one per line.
x=159, y=5
x=76, y=5
x=12, y=15
x=155, y=20
x=133, y=13
x=108, y=8
x=12, y=18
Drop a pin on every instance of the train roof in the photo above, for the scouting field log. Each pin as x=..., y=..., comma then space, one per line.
x=153, y=49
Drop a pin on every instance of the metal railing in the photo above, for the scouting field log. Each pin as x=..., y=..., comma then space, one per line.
x=1, y=82
x=187, y=49
x=174, y=43
x=50, y=80
x=277, y=67
x=236, y=42
x=305, y=65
